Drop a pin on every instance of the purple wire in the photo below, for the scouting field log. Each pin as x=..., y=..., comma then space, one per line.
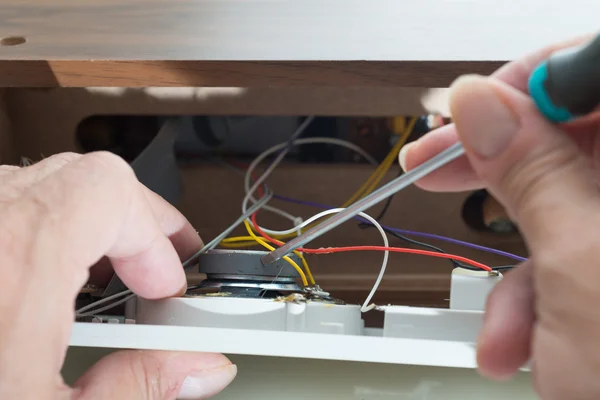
x=407, y=232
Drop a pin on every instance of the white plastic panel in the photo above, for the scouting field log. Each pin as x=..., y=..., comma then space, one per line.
x=275, y=343
x=432, y=324
x=277, y=378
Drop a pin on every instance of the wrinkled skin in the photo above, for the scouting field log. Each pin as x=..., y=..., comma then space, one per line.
x=57, y=219
x=546, y=176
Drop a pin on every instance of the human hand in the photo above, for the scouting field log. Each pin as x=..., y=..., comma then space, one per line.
x=58, y=218
x=546, y=176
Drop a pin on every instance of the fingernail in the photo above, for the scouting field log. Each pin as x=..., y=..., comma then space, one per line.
x=402, y=155
x=207, y=383
x=485, y=123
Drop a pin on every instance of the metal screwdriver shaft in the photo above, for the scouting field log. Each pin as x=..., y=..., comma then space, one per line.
x=379, y=195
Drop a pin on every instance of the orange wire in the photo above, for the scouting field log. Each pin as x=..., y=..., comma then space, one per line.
x=331, y=250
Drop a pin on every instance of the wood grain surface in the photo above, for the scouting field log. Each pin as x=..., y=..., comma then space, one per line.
x=274, y=42
x=79, y=73
x=58, y=111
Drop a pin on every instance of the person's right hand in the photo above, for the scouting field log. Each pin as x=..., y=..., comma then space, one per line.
x=546, y=176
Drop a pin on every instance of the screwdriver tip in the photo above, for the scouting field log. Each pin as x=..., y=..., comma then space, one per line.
x=269, y=258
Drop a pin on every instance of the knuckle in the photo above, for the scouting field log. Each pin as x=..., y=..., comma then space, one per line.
x=62, y=159
x=526, y=180
x=106, y=161
x=109, y=169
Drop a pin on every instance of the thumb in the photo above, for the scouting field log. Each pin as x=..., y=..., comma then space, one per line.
x=530, y=165
x=155, y=375
x=505, y=340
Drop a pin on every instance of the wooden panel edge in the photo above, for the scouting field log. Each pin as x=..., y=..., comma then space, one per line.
x=77, y=73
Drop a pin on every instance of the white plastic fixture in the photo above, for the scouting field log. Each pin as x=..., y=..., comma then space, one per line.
x=469, y=289
x=255, y=314
x=312, y=330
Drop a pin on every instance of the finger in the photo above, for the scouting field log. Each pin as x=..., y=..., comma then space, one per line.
x=172, y=223
x=98, y=208
x=504, y=343
x=155, y=375
x=530, y=165
x=8, y=169
x=16, y=179
x=458, y=175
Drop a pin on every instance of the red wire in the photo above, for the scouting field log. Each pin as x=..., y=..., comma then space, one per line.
x=330, y=250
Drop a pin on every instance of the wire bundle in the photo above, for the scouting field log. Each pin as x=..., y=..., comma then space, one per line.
x=269, y=238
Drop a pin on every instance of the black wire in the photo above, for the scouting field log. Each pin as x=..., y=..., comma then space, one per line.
x=388, y=203
x=455, y=263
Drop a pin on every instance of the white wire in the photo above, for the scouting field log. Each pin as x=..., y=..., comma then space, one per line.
x=365, y=307
x=285, y=148
x=273, y=209
x=266, y=153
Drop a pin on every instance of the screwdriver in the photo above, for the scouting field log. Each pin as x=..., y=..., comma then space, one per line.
x=567, y=85
x=443, y=158
x=564, y=87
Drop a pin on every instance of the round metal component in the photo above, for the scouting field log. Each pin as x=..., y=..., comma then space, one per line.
x=245, y=262
x=278, y=286
x=240, y=273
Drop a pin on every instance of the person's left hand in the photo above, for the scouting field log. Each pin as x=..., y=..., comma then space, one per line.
x=57, y=219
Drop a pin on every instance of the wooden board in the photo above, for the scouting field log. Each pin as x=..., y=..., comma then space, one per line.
x=59, y=111
x=274, y=42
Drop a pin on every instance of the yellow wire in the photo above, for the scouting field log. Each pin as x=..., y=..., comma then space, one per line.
x=242, y=245
x=311, y=279
x=238, y=242
x=374, y=179
x=369, y=185
x=248, y=241
x=364, y=186
x=269, y=247
x=391, y=157
x=235, y=239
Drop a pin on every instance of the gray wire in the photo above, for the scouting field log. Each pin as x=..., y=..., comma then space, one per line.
x=108, y=307
x=188, y=263
x=102, y=301
x=213, y=243
x=276, y=161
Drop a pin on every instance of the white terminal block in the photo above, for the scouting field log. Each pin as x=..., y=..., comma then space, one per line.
x=469, y=289
x=255, y=314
